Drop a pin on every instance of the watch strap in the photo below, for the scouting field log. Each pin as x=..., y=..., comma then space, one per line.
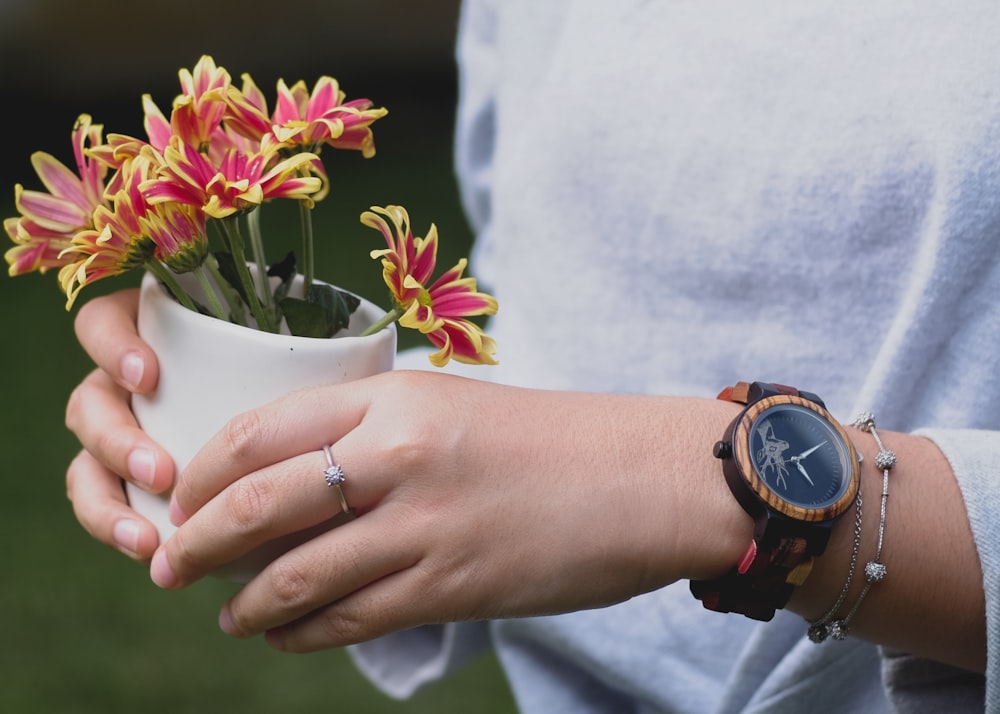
x=750, y=392
x=781, y=554
x=776, y=561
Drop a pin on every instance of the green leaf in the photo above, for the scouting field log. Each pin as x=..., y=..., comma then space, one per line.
x=305, y=319
x=325, y=311
x=285, y=270
x=337, y=304
x=227, y=268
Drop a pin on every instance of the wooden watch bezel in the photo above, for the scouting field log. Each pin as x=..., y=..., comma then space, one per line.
x=742, y=463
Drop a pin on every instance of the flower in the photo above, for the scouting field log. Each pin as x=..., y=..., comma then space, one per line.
x=217, y=159
x=48, y=221
x=438, y=311
x=305, y=120
x=229, y=179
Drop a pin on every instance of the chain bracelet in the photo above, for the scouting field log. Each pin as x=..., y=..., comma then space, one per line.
x=820, y=629
x=875, y=570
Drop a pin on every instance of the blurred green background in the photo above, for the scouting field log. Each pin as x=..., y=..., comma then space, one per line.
x=82, y=629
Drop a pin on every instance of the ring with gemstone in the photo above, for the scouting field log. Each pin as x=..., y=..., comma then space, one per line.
x=334, y=476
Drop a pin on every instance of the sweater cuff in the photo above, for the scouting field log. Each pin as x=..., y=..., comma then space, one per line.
x=405, y=662
x=974, y=455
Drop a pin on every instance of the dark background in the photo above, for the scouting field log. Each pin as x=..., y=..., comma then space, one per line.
x=82, y=629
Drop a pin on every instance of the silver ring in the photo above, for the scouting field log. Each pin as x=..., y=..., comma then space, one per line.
x=334, y=476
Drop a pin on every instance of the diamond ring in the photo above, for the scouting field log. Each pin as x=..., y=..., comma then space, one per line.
x=334, y=476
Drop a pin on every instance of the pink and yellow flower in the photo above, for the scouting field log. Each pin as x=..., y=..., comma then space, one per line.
x=121, y=147
x=35, y=247
x=234, y=182
x=179, y=233
x=177, y=230
x=322, y=117
x=303, y=118
x=436, y=309
x=246, y=112
x=145, y=203
x=303, y=121
x=48, y=221
x=198, y=109
x=113, y=246
x=195, y=117
x=131, y=233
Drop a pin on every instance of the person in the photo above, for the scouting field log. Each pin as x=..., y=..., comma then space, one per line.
x=668, y=199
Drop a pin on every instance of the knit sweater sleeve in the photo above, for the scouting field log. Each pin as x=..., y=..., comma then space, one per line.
x=974, y=456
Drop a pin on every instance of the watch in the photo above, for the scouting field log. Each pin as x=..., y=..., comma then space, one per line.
x=794, y=470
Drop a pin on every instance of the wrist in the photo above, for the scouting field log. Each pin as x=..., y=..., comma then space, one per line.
x=794, y=470
x=712, y=529
x=856, y=544
x=849, y=543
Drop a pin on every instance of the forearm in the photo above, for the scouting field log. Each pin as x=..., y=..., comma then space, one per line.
x=484, y=501
x=931, y=602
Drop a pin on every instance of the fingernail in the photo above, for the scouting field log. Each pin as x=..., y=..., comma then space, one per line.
x=276, y=638
x=142, y=466
x=160, y=571
x=226, y=623
x=132, y=368
x=177, y=516
x=126, y=535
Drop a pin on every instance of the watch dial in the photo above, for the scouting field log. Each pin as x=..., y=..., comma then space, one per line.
x=800, y=456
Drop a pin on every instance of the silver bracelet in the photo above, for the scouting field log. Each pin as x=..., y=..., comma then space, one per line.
x=821, y=628
x=875, y=570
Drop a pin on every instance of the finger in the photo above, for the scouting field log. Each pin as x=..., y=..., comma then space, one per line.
x=105, y=326
x=283, y=499
x=390, y=604
x=328, y=568
x=98, y=413
x=100, y=505
x=301, y=422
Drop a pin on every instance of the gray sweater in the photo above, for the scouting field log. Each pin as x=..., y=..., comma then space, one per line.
x=670, y=197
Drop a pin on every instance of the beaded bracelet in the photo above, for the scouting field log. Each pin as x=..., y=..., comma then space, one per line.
x=875, y=570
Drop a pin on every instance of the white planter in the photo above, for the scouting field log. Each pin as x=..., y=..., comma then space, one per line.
x=211, y=370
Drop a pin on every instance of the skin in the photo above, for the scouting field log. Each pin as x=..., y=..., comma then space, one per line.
x=476, y=500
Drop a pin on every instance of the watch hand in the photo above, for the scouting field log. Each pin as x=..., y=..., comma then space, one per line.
x=806, y=453
x=802, y=469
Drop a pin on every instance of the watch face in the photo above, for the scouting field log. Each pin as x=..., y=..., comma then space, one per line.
x=800, y=456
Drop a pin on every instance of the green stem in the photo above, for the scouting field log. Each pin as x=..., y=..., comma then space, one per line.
x=384, y=321
x=257, y=246
x=210, y=293
x=166, y=276
x=230, y=229
x=236, y=308
x=308, y=255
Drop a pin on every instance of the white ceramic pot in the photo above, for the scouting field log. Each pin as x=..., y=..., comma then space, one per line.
x=212, y=370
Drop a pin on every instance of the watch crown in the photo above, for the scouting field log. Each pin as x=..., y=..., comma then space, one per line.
x=722, y=450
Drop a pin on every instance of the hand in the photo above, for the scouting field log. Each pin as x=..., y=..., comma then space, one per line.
x=472, y=500
x=98, y=413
